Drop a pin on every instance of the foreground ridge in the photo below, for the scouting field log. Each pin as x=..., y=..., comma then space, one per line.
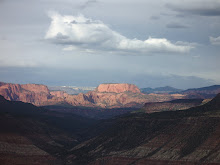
x=178, y=137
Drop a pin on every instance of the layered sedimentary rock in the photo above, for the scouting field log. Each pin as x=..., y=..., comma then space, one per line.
x=118, y=88
x=31, y=93
x=104, y=96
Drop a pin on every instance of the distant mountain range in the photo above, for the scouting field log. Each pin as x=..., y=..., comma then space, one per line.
x=203, y=93
x=160, y=90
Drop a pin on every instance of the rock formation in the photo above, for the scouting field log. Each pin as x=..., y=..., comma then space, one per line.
x=118, y=88
x=31, y=93
x=104, y=96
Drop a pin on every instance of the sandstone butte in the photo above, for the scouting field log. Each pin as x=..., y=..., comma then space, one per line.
x=104, y=96
x=118, y=88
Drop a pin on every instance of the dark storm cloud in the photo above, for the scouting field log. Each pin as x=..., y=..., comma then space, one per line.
x=204, y=8
x=180, y=15
x=154, y=17
x=176, y=25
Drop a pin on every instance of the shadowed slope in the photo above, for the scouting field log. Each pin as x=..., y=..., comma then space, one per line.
x=203, y=93
x=177, y=137
x=32, y=135
x=173, y=105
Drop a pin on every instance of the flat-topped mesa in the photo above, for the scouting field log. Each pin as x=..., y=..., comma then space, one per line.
x=118, y=88
x=36, y=88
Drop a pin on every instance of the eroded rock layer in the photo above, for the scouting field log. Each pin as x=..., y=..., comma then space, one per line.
x=118, y=88
x=104, y=96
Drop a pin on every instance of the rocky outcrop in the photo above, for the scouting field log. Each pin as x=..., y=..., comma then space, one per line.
x=36, y=88
x=60, y=94
x=30, y=93
x=10, y=91
x=118, y=88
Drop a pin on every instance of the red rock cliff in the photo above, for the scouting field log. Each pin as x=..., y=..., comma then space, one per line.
x=105, y=96
x=31, y=93
x=36, y=88
x=118, y=88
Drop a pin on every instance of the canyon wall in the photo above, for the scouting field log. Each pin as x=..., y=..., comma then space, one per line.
x=104, y=96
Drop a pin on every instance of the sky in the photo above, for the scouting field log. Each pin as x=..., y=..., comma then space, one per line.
x=89, y=42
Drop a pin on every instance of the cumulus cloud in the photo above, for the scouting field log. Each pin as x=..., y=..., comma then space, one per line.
x=196, y=7
x=79, y=32
x=215, y=41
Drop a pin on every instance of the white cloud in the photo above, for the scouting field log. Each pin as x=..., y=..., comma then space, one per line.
x=215, y=41
x=79, y=32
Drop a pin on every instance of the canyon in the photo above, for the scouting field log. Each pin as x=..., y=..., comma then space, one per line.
x=187, y=131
